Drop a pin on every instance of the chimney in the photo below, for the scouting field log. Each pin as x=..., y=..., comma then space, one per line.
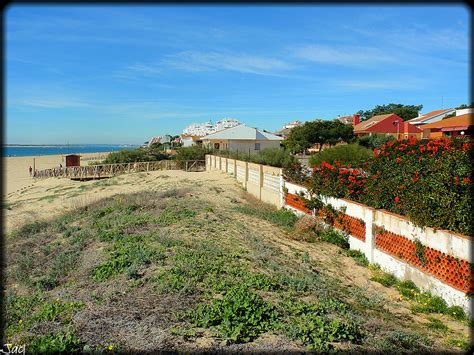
x=356, y=119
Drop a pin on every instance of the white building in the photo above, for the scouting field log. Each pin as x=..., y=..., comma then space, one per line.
x=242, y=138
x=430, y=117
x=192, y=134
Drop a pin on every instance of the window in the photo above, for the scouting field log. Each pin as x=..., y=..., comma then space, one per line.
x=257, y=146
x=216, y=145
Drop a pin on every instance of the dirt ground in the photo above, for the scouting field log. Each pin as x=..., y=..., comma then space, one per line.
x=137, y=318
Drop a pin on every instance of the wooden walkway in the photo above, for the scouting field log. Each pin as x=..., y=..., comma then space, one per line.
x=110, y=170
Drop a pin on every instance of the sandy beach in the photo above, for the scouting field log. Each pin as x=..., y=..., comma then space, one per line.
x=16, y=174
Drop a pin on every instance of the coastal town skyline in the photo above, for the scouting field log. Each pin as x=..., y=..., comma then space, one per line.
x=109, y=74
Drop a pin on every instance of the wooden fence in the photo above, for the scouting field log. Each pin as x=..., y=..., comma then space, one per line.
x=109, y=170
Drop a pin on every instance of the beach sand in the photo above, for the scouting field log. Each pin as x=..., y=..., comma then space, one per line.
x=36, y=200
x=16, y=174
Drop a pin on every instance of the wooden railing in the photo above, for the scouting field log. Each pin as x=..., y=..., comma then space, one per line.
x=109, y=170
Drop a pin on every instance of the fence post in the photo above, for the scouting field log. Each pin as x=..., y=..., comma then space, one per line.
x=369, y=214
x=186, y=165
x=246, y=178
x=235, y=168
x=282, y=191
x=260, y=175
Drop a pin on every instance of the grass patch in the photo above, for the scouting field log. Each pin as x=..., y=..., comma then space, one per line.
x=240, y=316
x=386, y=279
x=126, y=254
x=358, y=256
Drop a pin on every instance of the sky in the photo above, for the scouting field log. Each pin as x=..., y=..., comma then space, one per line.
x=120, y=74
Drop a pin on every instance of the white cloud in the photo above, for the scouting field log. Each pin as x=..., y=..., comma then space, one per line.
x=51, y=102
x=194, y=61
x=343, y=55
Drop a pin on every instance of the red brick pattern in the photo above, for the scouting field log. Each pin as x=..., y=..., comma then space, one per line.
x=452, y=271
x=354, y=226
x=297, y=202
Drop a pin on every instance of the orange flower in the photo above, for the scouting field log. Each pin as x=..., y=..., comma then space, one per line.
x=398, y=160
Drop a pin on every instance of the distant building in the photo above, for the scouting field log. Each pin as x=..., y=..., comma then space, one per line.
x=285, y=131
x=462, y=125
x=192, y=134
x=242, y=138
x=160, y=139
x=346, y=119
x=389, y=124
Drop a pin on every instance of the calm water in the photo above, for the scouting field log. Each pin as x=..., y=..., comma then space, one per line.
x=71, y=149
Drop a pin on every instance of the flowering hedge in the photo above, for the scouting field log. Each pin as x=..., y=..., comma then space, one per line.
x=427, y=181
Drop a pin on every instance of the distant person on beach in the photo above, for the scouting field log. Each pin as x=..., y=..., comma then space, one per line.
x=60, y=165
x=31, y=170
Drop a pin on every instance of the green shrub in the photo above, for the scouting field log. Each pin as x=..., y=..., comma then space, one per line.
x=63, y=342
x=358, y=256
x=240, y=316
x=319, y=325
x=375, y=140
x=335, y=237
x=349, y=154
x=399, y=340
x=268, y=156
x=385, y=279
x=135, y=155
x=456, y=312
x=192, y=153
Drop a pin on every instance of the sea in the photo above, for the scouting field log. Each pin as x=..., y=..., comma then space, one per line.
x=23, y=151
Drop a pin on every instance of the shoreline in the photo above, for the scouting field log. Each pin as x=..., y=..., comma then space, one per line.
x=16, y=169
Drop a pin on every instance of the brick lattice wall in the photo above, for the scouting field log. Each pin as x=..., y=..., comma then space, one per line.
x=454, y=272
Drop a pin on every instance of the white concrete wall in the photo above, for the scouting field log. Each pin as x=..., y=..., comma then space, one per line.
x=267, y=184
x=447, y=242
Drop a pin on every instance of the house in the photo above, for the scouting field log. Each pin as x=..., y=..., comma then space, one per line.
x=462, y=125
x=346, y=119
x=389, y=124
x=285, y=131
x=430, y=117
x=242, y=138
x=160, y=139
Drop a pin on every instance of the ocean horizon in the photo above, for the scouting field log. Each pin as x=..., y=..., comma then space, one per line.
x=18, y=150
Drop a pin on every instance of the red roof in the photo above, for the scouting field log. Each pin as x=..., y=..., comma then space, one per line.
x=385, y=124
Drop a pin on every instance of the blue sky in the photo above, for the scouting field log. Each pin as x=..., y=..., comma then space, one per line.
x=121, y=74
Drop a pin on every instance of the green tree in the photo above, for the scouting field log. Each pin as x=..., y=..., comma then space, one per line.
x=463, y=106
x=404, y=111
x=322, y=132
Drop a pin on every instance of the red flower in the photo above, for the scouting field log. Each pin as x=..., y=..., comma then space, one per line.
x=397, y=199
x=401, y=187
x=466, y=180
x=398, y=160
x=456, y=180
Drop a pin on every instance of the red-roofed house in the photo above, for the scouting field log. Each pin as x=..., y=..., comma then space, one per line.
x=430, y=117
x=387, y=124
x=454, y=126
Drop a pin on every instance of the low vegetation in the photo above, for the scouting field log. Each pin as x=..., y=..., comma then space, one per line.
x=189, y=270
x=347, y=154
x=269, y=156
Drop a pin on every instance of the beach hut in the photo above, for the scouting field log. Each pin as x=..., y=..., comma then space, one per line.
x=73, y=160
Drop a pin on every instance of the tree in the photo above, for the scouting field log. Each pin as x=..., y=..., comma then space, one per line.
x=406, y=112
x=322, y=132
x=463, y=106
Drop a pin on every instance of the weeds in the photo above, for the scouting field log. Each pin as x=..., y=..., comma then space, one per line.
x=239, y=316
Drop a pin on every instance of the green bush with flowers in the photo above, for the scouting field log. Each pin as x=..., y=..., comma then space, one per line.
x=428, y=181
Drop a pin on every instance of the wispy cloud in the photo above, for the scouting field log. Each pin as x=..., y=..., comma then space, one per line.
x=194, y=61
x=51, y=103
x=343, y=55
x=387, y=84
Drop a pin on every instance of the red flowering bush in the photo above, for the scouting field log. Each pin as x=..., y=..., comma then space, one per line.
x=426, y=180
x=338, y=180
